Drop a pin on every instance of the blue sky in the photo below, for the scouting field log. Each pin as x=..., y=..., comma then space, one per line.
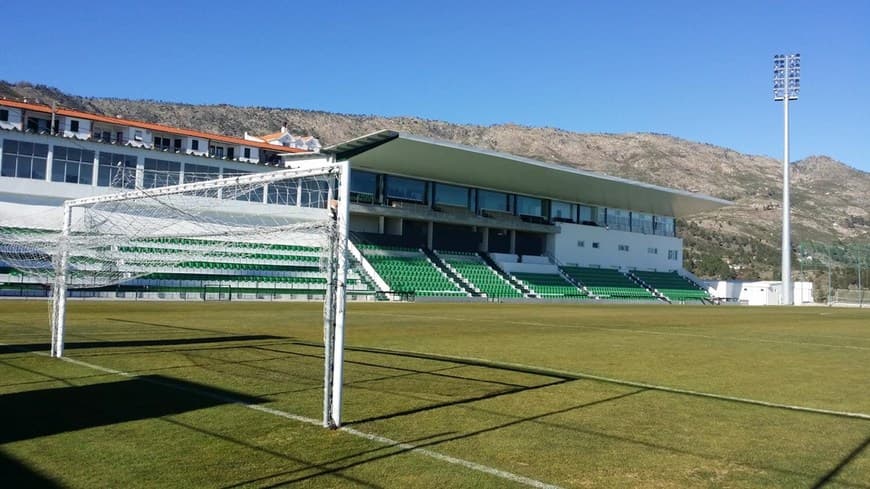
x=696, y=70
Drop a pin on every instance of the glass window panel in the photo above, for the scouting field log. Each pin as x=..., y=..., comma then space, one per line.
x=24, y=165
x=40, y=150
x=405, y=189
x=451, y=195
x=25, y=148
x=86, y=173
x=529, y=206
x=58, y=171
x=116, y=170
x=72, y=173
x=8, y=167
x=10, y=146
x=38, y=170
x=562, y=211
x=363, y=182
x=282, y=193
x=314, y=192
x=641, y=222
x=60, y=152
x=496, y=201
x=618, y=219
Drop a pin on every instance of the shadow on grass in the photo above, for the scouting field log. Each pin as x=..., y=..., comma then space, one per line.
x=34, y=347
x=32, y=414
x=18, y=474
x=335, y=466
x=320, y=468
x=827, y=478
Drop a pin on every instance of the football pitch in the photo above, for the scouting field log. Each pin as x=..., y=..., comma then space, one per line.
x=229, y=395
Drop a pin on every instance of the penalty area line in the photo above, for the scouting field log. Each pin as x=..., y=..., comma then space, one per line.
x=502, y=474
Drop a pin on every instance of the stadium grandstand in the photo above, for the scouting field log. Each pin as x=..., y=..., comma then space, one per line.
x=429, y=219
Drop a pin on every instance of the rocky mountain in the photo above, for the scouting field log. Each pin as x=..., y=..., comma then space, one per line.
x=831, y=201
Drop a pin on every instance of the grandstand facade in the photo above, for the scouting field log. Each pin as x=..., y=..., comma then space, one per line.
x=428, y=218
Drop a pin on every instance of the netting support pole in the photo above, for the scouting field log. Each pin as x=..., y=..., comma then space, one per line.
x=336, y=301
x=59, y=290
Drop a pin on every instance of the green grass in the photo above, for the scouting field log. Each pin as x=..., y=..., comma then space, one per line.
x=505, y=386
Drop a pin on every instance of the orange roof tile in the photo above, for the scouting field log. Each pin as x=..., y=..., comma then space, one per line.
x=146, y=125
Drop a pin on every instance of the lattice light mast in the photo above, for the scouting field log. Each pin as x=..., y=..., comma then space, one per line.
x=786, y=87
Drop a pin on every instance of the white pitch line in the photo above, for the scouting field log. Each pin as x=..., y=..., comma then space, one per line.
x=621, y=330
x=361, y=434
x=631, y=383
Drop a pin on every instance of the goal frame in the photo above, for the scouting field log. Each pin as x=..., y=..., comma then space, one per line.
x=336, y=263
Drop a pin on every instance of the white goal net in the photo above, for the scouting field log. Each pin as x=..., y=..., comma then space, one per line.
x=251, y=228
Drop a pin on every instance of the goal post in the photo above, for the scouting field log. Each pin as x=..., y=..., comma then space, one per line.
x=175, y=225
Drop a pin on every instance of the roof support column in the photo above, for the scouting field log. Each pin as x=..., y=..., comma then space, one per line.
x=513, y=237
x=430, y=231
x=484, y=242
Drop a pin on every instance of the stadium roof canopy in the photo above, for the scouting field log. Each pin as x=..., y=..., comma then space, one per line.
x=420, y=157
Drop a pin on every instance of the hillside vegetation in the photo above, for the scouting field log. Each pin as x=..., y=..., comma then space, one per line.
x=831, y=201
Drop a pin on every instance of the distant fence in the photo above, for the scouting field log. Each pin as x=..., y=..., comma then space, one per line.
x=857, y=297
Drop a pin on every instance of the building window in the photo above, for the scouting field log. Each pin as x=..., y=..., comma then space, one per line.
x=596, y=245
x=248, y=194
x=663, y=226
x=314, y=192
x=247, y=152
x=231, y=153
x=407, y=189
x=176, y=145
x=72, y=165
x=74, y=125
x=452, y=195
x=162, y=143
x=283, y=192
x=493, y=201
x=363, y=186
x=23, y=160
x=160, y=173
x=591, y=215
x=116, y=170
x=581, y=244
x=641, y=223
x=194, y=144
x=652, y=251
x=201, y=173
x=137, y=134
x=216, y=151
x=530, y=206
x=618, y=220
x=673, y=255
x=4, y=115
x=562, y=211
x=623, y=247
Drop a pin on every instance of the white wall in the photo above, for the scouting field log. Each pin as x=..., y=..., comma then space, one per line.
x=14, y=121
x=84, y=131
x=608, y=255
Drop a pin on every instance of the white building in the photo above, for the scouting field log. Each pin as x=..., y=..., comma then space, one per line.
x=758, y=293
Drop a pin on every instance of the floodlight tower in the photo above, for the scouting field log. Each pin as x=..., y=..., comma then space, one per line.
x=786, y=86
